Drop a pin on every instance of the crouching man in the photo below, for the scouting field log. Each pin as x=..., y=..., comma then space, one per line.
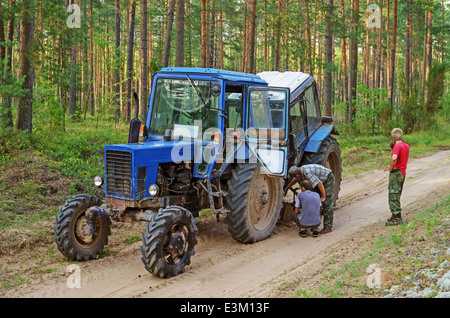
x=322, y=181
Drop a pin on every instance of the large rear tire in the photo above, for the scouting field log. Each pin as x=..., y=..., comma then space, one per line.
x=168, y=242
x=72, y=230
x=329, y=156
x=254, y=200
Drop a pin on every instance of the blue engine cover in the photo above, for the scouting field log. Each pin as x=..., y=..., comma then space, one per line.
x=131, y=168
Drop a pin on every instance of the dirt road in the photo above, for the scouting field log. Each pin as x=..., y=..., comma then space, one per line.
x=223, y=267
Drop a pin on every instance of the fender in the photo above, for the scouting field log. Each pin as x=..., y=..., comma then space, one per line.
x=319, y=135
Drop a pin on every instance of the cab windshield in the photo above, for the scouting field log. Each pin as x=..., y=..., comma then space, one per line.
x=185, y=106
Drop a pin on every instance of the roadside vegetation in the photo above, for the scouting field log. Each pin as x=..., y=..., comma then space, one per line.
x=412, y=260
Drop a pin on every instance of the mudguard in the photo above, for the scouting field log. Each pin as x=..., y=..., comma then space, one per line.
x=316, y=139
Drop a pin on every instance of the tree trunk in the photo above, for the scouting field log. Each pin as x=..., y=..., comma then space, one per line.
x=252, y=39
x=367, y=54
x=143, y=55
x=91, y=62
x=169, y=34
x=26, y=68
x=203, y=36
x=394, y=46
x=408, y=49
x=353, y=61
x=388, y=44
x=189, y=34
x=7, y=119
x=117, y=63
x=72, y=97
x=344, y=59
x=2, y=35
x=221, y=40
x=308, y=41
x=130, y=59
x=212, y=35
x=278, y=36
x=245, y=38
x=378, y=74
x=328, y=59
x=179, y=58
x=427, y=57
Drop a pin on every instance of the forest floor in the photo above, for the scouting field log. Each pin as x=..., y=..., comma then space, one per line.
x=411, y=261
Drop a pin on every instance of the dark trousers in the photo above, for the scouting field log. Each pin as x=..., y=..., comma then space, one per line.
x=396, y=180
x=328, y=205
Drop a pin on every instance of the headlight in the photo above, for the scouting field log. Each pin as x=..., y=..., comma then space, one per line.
x=98, y=181
x=153, y=190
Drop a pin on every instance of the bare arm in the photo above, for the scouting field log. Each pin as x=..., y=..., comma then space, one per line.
x=293, y=181
x=322, y=191
x=393, y=162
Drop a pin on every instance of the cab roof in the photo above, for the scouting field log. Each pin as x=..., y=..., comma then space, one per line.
x=295, y=81
x=227, y=75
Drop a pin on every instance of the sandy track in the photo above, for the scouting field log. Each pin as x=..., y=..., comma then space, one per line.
x=223, y=267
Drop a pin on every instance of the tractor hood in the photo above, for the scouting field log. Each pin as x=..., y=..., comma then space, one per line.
x=156, y=151
x=131, y=168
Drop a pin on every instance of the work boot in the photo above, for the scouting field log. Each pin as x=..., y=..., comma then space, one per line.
x=394, y=220
x=325, y=230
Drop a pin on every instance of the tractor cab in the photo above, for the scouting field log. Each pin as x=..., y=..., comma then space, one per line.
x=218, y=111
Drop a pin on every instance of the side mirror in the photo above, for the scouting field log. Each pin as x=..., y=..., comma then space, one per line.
x=168, y=134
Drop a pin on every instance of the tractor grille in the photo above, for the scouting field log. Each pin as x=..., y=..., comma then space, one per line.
x=118, y=173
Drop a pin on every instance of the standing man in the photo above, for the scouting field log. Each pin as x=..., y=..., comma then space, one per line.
x=322, y=180
x=397, y=173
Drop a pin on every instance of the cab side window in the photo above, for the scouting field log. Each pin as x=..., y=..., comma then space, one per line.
x=234, y=106
x=312, y=108
x=298, y=121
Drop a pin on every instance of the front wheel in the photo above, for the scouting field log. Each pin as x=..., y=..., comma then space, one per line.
x=74, y=236
x=168, y=242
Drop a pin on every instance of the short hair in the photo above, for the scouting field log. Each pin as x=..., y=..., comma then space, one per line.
x=293, y=171
x=397, y=134
x=306, y=184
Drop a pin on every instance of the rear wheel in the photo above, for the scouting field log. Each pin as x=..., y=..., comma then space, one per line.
x=254, y=200
x=74, y=235
x=329, y=156
x=168, y=242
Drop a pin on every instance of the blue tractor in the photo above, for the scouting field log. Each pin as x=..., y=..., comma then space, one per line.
x=212, y=139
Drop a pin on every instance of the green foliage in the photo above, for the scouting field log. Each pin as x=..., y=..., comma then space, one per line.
x=48, y=114
x=78, y=153
x=435, y=86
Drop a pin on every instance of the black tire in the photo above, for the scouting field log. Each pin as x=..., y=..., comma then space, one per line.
x=70, y=229
x=254, y=200
x=168, y=242
x=329, y=156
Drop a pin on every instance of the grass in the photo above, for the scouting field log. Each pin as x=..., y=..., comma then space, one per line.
x=40, y=171
x=402, y=252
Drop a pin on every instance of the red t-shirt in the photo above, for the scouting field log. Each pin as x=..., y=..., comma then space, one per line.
x=402, y=151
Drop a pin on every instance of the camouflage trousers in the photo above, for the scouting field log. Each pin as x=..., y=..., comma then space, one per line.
x=396, y=180
x=328, y=205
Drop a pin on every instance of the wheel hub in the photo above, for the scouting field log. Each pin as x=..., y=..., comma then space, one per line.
x=177, y=243
x=83, y=231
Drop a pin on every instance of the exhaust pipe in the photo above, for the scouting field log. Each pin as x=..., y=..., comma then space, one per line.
x=135, y=124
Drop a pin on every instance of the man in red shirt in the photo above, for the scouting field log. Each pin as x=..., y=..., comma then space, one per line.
x=397, y=173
